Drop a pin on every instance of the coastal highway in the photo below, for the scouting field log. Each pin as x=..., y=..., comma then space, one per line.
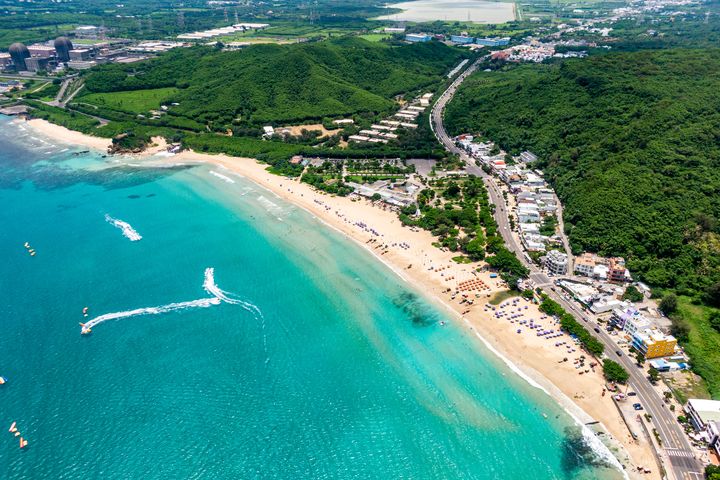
x=676, y=447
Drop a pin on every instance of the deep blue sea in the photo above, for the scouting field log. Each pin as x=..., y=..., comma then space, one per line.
x=320, y=364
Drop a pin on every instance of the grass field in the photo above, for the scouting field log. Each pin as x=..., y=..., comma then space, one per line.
x=375, y=37
x=136, y=101
x=704, y=344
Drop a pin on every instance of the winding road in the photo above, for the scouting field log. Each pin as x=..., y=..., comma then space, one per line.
x=676, y=448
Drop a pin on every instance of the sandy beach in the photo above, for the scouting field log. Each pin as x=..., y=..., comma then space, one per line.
x=68, y=136
x=510, y=329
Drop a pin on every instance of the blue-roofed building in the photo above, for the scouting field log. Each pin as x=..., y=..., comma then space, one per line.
x=418, y=37
x=493, y=42
x=662, y=365
x=462, y=39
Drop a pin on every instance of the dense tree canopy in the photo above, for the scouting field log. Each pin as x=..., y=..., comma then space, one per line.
x=631, y=143
x=614, y=372
x=279, y=84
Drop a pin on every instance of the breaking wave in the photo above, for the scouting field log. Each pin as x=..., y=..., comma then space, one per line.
x=127, y=230
x=221, y=176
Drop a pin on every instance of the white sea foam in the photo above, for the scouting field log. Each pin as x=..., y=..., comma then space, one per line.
x=599, y=448
x=268, y=204
x=221, y=176
x=127, y=230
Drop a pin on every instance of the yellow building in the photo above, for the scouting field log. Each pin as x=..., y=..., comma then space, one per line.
x=654, y=343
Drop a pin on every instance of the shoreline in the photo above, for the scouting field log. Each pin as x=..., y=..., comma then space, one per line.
x=409, y=253
x=65, y=135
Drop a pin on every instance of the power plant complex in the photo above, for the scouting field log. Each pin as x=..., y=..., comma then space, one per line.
x=41, y=56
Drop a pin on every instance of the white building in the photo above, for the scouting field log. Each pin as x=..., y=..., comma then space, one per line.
x=532, y=228
x=528, y=215
x=705, y=417
x=528, y=157
x=638, y=323
x=534, y=181
x=556, y=262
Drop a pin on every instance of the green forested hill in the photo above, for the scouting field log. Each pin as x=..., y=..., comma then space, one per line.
x=281, y=84
x=631, y=143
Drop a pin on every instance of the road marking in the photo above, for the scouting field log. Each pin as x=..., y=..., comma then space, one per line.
x=676, y=452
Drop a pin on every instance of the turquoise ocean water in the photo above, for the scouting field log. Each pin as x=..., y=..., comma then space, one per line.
x=332, y=368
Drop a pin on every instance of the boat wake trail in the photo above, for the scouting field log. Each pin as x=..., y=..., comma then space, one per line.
x=201, y=303
x=211, y=287
x=127, y=230
x=217, y=297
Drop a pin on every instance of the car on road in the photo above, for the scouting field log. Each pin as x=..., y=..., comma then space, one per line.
x=637, y=406
x=631, y=394
x=619, y=353
x=597, y=330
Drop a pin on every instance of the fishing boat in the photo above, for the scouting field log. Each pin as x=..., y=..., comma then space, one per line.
x=23, y=442
x=3, y=380
x=13, y=428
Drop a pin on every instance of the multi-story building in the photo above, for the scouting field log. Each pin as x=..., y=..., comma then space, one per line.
x=5, y=59
x=80, y=54
x=35, y=64
x=556, y=262
x=492, y=42
x=704, y=415
x=417, y=37
x=44, y=51
x=617, y=271
x=654, y=343
x=462, y=39
x=528, y=157
x=620, y=317
x=636, y=323
x=528, y=214
x=585, y=264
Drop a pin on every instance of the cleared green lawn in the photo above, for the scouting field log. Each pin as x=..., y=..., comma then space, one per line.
x=136, y=101
x=375, y=37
